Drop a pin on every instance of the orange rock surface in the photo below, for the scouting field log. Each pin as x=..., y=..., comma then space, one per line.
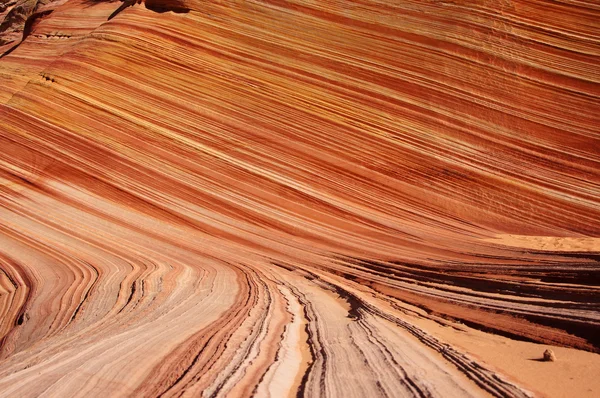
x=299, y=198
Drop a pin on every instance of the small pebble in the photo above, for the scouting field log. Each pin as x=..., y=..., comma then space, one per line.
x=549, y=356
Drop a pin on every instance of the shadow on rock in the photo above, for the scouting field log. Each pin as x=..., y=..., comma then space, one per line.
x=159, y=6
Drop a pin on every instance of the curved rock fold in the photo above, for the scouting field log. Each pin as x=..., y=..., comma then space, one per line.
x=295, y=198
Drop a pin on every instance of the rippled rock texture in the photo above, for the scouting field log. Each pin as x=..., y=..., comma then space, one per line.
x=299, y=198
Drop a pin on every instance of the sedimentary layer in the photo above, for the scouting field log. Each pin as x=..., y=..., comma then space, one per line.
x=279, y=198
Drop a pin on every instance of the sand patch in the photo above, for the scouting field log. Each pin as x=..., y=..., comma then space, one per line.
x=550, y=243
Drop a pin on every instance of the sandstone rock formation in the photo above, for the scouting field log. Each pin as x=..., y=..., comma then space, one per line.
x=290, y=197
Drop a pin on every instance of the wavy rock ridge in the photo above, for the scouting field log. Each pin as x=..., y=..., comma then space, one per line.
x=279, y=198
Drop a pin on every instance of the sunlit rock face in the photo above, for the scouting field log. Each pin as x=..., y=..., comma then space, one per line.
x=299, y=198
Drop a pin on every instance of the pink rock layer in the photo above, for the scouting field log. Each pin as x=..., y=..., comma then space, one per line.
x=280, y=198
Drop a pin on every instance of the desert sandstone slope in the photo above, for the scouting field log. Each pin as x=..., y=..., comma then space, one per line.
x=299, y=198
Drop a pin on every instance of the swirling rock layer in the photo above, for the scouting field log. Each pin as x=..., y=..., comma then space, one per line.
x=279, y=198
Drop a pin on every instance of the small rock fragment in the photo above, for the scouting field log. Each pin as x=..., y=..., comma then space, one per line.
x=549, y=356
